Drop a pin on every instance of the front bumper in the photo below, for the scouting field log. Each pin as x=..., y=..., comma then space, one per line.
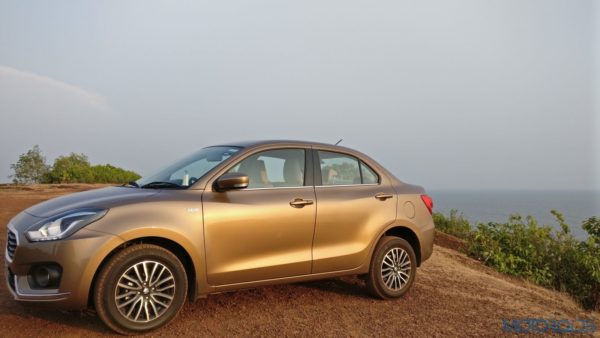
x=79, y=256
x=20, y=290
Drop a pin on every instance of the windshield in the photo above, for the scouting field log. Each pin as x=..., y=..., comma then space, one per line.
x=188, y=170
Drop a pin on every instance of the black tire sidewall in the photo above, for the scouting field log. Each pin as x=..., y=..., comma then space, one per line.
x=125, y=262
x=386, y=244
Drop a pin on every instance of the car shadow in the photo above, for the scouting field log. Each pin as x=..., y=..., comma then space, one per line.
x=84, y=320
x=345, y=286
x=87, y=320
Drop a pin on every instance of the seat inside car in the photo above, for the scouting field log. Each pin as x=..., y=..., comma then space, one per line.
x=256, y=171
x=293, y=172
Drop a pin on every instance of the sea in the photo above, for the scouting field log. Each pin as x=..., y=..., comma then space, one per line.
x=497, y=205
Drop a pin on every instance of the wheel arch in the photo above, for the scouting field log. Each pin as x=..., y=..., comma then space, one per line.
x=166, y=243
x=410, y=236
x=405, y=232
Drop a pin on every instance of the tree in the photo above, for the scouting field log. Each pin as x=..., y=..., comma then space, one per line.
x=30, y=168
x=74, y=168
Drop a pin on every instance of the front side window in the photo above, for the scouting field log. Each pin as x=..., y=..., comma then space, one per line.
x=273, y=168
x=188, y=170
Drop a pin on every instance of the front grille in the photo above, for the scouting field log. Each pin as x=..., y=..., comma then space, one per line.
x=11, y=279
x=11, y=244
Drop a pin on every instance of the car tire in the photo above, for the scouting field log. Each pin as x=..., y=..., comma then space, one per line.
x=393, y=268
x=141, y=288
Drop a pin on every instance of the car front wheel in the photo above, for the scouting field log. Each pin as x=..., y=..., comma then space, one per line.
x=393, y=268
x=141, y=288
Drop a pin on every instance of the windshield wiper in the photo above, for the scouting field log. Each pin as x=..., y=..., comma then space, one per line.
x=159, y=184
x=131, y=184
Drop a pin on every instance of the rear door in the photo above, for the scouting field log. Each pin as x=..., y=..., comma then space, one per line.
x=354, y=204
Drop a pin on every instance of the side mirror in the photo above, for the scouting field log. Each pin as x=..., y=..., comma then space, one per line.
x=231, y=181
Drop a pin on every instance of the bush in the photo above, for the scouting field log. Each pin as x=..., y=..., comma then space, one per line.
x=455, y=224
x=74, y=168
x=110, y=174
x=521, y=247
x=518, y=247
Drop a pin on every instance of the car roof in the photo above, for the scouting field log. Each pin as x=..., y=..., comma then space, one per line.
x=255, y=143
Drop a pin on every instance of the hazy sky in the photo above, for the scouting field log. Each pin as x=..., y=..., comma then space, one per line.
x=446, y=94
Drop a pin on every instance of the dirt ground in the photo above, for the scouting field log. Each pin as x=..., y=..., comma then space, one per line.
x=453, y=296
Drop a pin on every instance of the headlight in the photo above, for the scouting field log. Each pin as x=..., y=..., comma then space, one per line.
x=63, y=225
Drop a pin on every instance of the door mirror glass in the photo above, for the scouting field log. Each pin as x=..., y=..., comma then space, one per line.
x=231, y=181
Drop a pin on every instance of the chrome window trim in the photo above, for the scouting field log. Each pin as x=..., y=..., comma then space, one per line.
x=310, y=186
x=273, y=188
x=347, y=185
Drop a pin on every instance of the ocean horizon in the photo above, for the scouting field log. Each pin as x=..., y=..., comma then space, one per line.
x=482, y=206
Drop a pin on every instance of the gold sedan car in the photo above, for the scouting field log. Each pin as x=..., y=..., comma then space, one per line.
x=224, y=218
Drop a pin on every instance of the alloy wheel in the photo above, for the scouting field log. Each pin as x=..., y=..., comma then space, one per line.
x=145, y=291
x=395, y=269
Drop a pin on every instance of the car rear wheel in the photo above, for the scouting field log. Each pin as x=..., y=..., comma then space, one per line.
x=141, y=288
x=393, y=268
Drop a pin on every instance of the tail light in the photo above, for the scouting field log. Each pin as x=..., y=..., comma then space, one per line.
x=428, y=201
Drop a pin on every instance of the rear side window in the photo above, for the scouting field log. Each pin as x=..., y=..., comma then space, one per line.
x=368, y=175
x=339, y=169
x=342, y=169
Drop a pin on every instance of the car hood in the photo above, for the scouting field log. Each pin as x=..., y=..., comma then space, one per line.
x=99, y=198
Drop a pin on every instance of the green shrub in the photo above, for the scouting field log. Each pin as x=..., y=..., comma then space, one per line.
x=521, y=247
x=110, y=174
x=74, y=168
x=455, y=224
x=518, y=247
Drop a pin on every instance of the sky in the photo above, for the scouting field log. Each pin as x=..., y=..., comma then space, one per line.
x=445, y=94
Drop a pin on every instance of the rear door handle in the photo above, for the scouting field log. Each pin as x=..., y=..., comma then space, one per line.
x=382, y=197
x=299, y=202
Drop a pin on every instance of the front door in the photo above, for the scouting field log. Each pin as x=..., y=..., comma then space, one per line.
x=266, y=230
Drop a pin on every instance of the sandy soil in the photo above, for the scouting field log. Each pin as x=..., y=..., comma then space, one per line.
x=453, y=296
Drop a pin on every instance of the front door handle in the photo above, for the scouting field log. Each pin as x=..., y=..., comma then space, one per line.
x=299, y=202
x=382, y=197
